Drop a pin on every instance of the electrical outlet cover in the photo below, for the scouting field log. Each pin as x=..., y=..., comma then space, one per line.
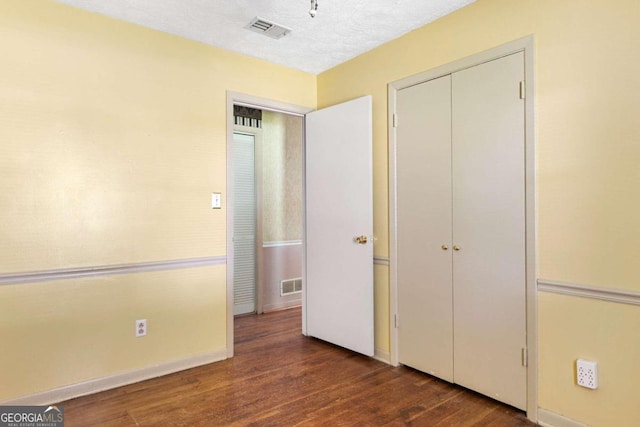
x=587, y=373
x=141, y=327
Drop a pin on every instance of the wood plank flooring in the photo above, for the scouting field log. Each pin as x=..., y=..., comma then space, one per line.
x=280, y=378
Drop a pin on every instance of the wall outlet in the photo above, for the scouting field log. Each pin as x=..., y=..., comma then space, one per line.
x=587, y=373
x=141, y=327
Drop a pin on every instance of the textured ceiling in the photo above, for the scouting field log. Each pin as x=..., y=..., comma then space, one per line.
x=340, y=31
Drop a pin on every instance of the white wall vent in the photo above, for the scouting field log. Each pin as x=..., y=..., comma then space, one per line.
x=290, y=286
x=271, y=29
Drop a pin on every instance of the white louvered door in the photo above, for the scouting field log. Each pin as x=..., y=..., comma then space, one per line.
x=244, y=224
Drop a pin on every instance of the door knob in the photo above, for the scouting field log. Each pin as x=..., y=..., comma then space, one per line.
x=361, y=240
x=456, y=248
x=444, y=247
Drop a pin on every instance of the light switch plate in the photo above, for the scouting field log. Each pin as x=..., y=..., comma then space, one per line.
x=216, y=200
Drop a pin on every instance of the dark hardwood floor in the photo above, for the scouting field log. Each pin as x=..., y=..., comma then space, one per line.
x=280, y=378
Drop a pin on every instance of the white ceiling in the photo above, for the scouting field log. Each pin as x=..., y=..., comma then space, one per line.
x=342, y=29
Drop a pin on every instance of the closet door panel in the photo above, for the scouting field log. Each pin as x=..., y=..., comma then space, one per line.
x=489, y=229
x=425, y=335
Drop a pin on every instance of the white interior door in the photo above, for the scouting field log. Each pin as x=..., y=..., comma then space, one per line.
x=489, y=272
x=244, y=224
x=424, y=254
x=339, y=271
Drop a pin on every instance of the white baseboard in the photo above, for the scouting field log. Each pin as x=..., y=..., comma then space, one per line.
x=551, y=419
x=96, y=385
x=382, y=356
x=281, y=305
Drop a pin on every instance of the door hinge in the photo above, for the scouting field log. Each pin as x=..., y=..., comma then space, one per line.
x=523, y=88
x=395, y=321
x=525, y=357
x=395, y=120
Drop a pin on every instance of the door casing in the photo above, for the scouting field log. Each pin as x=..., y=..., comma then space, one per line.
x=524, y=45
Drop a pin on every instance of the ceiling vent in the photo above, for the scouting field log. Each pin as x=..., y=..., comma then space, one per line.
x=267, y=28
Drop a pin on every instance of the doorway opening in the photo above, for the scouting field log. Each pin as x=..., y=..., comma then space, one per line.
x=274, y=133
x=267, y=209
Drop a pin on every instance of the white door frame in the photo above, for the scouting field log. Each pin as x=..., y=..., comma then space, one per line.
x=525, y=45
x=236, y=98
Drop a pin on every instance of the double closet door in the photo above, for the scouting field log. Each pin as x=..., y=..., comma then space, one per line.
x=461, y=228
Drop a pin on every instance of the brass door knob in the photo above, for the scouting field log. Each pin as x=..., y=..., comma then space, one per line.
x=444, y=247
x=456, y=248
x=361, y=240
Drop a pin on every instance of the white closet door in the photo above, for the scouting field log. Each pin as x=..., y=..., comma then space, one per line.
x=244, y=224
x=489, y=229
x=425, y=331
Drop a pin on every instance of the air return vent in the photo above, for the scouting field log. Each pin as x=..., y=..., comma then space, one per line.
x=290, y=286
x=267, y=28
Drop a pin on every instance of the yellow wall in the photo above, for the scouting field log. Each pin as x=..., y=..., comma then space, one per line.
x=587, y=76
x=594, y=330
x=113, y=136
x=112, y=139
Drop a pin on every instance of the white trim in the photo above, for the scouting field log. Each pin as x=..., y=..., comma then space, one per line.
x=528, y=46
x=551, y=419
x=108, y=270
x=263, y=104
x=117, y=380
x=392, y=93
x=381, y=260
x=592, y=292
x=251, y=101
x=304, y=227
x=283, y=305
x=525, y=45
x=275, y=244
x=382, y=356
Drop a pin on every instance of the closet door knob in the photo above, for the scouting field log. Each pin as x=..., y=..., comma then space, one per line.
x=444, y=247
x=456, y=248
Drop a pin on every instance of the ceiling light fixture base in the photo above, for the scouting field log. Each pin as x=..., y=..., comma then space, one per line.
x=314, y=8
